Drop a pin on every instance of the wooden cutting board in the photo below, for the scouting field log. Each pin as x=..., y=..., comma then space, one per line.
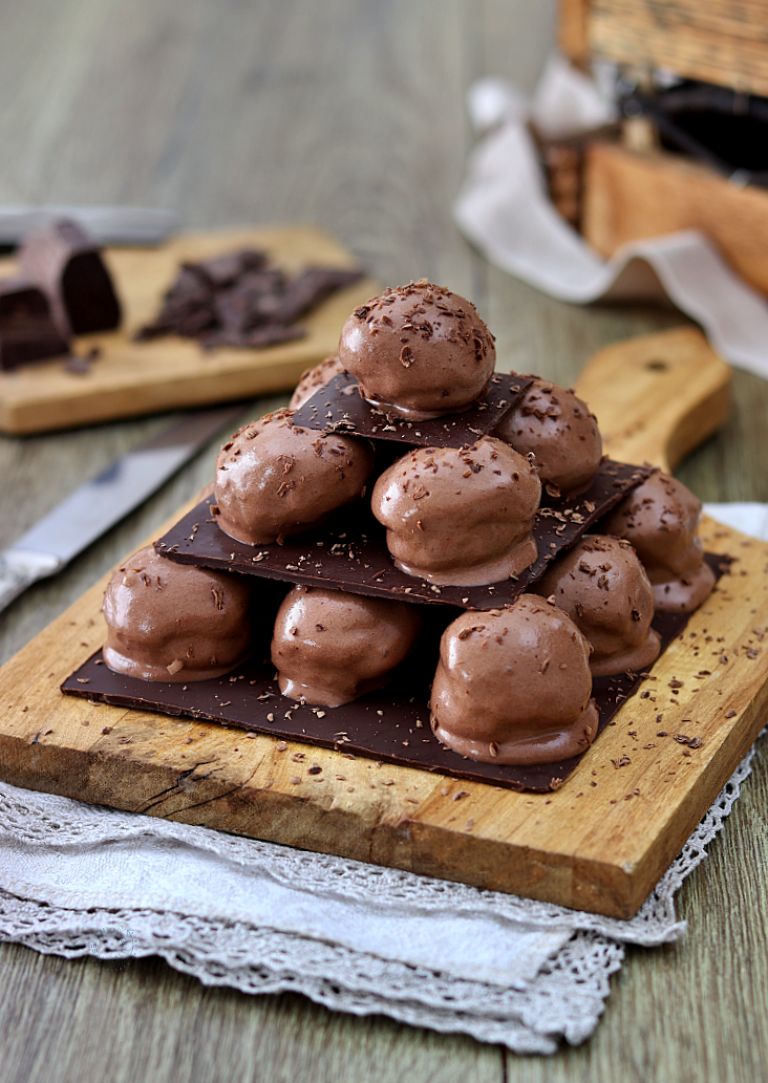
x=599, y=843
x=133, y=378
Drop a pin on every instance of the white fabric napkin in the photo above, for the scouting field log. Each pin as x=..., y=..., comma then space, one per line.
x=76, y=880
x=504, y=209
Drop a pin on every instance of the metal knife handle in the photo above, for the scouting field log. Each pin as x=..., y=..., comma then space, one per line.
x=106, y=225
x=18, y=570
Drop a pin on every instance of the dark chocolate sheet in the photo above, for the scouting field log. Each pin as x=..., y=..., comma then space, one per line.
x=339, y=407
x=391, y=724
x=352, y=554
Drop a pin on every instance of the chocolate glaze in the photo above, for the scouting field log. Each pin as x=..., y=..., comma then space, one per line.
x=559, y=430
x=350, y=552
x=66, y=264
x=513, y=685
x=419, y=350
x=313, y=379
x=604, y=589
x=275, y=479
x=460, y=516
x=340, y=408
x=389, y=725
x=166, y=622
x=661, y=521
x=330, y=647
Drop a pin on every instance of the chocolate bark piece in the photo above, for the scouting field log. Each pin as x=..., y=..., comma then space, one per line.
x=351, y=554
x=390, y=725
x=222, y=271
x=27, y=330
x=306, y=290
x=236, y=300
x=237, y=307
x=67, y=265
x=268, y=335
x=339, y=407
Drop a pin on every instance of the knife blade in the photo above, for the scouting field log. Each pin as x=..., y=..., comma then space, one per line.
x=142, y=226
x=92, y=509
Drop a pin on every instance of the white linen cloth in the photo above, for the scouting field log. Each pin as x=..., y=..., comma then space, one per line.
x=76, y=879
x=504, y=209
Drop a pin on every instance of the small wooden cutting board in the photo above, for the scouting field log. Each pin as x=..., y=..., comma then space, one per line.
x=134, y=378
x=599, y=843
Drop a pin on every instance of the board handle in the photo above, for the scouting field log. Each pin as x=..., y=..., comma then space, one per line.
x=657, y=397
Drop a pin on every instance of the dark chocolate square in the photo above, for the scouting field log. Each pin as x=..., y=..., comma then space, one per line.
x=391, y=724
x=351, y=553
x=339, y=407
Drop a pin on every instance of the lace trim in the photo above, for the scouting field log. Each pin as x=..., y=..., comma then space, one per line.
x=564, y=1000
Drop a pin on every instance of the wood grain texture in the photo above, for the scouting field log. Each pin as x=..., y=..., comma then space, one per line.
x=659, y=396
x=629, y=196
x=572, y=32
x=349, y=114
x=606, y=859
x=717, y=41
x=133, y=378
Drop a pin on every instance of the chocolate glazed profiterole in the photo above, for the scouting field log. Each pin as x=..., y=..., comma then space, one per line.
x=330, y=647
x=174, y=622
x=560, y=431
x=603, y=588
x=313, y=379
x=661, y=519
x=418, y=350
x=274, y=479
x=514, y=686
x=460, y=516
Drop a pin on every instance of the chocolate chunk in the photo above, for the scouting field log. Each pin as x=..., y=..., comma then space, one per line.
x=221, y=271
x=269, y=335
x=304, y=292
x=352, y=554
x=65, y=263
x=338, y=407
x=372, y=726
x=27, y=330
x=236, y=300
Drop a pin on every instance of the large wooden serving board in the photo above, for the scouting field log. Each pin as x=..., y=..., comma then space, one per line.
x=133, y=378
x=599, y=843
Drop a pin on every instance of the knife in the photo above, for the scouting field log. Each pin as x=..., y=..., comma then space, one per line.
x=105, y=225
x=96, y=506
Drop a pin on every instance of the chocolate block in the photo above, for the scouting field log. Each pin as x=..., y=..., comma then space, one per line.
x=27, y=330
x=339, y=407
x=351, y=554
x=65, y=263
x=391, y=724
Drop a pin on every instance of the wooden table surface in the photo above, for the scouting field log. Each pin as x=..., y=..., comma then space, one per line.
x=350, y=114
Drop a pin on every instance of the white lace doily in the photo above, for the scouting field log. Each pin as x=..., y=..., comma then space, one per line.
x=78, y=880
